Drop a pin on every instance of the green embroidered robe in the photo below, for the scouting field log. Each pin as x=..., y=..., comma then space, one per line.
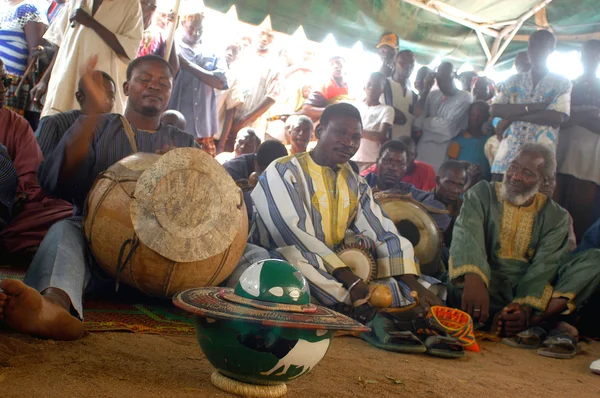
x=515, y=250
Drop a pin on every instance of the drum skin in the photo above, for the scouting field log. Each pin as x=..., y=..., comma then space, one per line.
x=109, y=231
x=415, y=224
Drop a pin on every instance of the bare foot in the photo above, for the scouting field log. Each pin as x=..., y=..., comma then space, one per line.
x=25, y=310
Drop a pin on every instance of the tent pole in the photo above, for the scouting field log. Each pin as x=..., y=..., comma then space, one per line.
x=454, y=18
x=484, y=45
x=497, y=54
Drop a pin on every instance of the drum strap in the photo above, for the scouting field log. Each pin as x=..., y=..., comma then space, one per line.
x=130, y=134
x=124, y=259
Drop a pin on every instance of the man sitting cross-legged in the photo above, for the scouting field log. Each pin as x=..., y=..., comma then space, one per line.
x=306, y=204
x=49, y=304
x=509, y=250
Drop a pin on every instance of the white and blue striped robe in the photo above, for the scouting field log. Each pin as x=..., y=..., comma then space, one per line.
x=14, y=50
x=109, y=145
x=302, y=212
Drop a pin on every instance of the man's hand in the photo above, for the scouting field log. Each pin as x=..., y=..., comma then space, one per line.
x=426, y=298
x=93, y=85
x=81, y=17
x=347, y=278
x=475, y=298
x=38, y=92
x=513, y=319
x=502, y=126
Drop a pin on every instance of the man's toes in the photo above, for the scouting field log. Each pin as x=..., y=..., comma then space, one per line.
x=12, y=287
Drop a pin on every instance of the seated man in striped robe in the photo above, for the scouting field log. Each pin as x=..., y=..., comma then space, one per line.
x=52, y=128
x=50, y=302
x=305, y=207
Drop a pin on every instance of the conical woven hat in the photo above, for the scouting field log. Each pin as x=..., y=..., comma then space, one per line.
x=186, y=206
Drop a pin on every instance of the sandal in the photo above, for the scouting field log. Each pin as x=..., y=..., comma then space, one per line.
x=437, y=341
x=529, y=339
x=383, y=335
x=559, y=345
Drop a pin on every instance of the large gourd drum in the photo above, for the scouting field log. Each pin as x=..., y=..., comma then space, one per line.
x=164, y=224
x=415, y=224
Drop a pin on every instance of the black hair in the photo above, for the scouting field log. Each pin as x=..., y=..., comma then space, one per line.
x=393, y=145
x=378, y=75
x=147, y=58
x=401, y=53
x=105, y=76
x=269, y=151
x=422, y=72
x=449, y=165
x=543, y=34
x=484, y=106
x=341, y=109
x=408, y=142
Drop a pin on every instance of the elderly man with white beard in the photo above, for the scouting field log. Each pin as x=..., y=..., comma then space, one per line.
x=509, y=254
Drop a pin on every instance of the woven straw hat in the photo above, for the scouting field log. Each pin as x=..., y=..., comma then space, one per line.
x=270, y=293
x=186, y=207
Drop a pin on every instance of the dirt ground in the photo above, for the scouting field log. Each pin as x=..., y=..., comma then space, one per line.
x=122, y=364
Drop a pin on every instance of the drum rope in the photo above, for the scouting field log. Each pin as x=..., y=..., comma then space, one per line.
x=135, y=242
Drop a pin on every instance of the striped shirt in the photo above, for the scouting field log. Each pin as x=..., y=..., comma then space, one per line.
x=302, y=213
x=109, y=145
x=8, y=183
x=14, y=50
x=52, y=128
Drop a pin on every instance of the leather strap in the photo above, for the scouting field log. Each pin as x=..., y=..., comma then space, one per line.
x=130, y=134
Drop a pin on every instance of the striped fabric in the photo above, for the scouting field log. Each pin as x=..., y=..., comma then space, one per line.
x=302, y=212
x=8, y=183
x=110, y=145
x=13, y=44
x=52, y=128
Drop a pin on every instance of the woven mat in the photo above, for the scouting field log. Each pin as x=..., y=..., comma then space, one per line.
x=127, y=311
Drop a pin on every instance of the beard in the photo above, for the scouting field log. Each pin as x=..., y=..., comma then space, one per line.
x=508, y=194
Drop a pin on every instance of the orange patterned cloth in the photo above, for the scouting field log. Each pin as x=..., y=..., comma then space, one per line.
x=458, y=324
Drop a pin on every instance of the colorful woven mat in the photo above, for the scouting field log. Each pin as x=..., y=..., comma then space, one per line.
x=126, y=312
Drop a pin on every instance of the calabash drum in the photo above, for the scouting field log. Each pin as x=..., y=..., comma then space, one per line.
x=415, y=224
x=360, y=261
x=163, y=224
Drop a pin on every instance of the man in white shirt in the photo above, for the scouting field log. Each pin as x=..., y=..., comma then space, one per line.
x=444, y=117
x=377, y=120
x=400, y=96
x=109, y=29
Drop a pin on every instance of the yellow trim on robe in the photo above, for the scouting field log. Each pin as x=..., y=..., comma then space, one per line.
x=466, y=269
x=538, y=303
x=517, y=228
x=570, y=303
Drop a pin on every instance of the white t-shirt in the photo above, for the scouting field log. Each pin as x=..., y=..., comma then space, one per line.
x=372, y=118
x=402, y=103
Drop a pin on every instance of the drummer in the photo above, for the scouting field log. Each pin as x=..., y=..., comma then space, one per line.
x=49, y=303
x=391, y=168
x=306, y=203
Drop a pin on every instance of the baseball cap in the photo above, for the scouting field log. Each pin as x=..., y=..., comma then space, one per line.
x=389, y=39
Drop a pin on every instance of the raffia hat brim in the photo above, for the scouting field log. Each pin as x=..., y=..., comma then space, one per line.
x=208, y=302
